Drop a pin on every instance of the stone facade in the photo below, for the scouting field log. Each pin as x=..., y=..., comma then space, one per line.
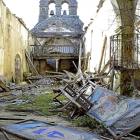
x=59, y=35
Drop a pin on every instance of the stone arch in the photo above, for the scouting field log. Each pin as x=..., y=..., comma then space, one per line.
x=72, y=6
x=127, y=11
x=64, y=1
x=52, y=7
x=60, y=2
x=17, y=66
x=44, y=8
x=51, y=1
x=65, y=8
x=70, y=2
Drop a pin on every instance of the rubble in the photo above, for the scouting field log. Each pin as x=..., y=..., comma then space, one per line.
x=119, y=114
x=86, y=94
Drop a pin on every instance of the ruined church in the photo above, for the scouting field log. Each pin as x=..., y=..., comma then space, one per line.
x=59, y=33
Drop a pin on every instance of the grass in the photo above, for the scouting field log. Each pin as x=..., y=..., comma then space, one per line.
x=40, y=104
x=84, y=121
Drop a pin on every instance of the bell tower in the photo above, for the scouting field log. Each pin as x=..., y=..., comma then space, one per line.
x=44, y=8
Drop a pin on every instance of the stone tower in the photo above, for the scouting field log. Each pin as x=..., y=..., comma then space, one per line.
x=44, y=8
x=60, y=37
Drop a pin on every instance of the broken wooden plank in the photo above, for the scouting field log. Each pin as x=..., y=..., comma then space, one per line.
x=31, y=65
x=29, y=81
x=80, y=55
x=3, y=86
x=14, y=119
x=70, y=74
x=54, y=73
x=34, y=77
x=79, y=76
x=100, y=77
x=55, y=76
x=103, y=50
x=104, y=68
x=74, y=65
x=86, y=60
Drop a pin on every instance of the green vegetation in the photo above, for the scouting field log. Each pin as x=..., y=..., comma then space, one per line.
x=39, y=104
x=88, y=122
x=84, y=121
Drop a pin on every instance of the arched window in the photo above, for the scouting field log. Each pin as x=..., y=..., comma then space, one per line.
x=52, y=8
x=65, y=9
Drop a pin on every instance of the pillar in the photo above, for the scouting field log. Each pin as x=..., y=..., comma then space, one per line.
x=72, y=10
x=127, y=15
x=57, y=64
x=44, y=9
x=43, y=13
x=42, y=66
x=58, y=10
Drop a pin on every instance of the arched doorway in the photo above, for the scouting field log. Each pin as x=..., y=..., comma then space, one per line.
x=17, y=66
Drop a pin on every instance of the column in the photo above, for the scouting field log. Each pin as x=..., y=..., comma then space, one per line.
x=57, y=64
x=72, y=10
x=58, y=10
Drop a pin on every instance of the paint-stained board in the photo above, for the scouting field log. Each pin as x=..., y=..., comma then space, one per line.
x=34, y=130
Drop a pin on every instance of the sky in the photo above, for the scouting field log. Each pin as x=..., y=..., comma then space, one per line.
x=28, y=10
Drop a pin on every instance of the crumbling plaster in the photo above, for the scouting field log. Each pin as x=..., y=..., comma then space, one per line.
x=95, y=35
x=14, y=38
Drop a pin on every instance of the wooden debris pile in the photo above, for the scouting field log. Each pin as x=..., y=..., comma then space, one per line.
x=87, y=95
x=78, y=88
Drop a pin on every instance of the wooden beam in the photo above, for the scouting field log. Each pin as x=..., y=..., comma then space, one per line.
x=3, y=86
x=86, y=61
x=104, y=69
x=55, y=57
x=103, y=50
x=31, y=65
x=80, y=54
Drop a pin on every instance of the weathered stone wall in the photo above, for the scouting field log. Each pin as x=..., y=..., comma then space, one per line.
x=14, y=37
